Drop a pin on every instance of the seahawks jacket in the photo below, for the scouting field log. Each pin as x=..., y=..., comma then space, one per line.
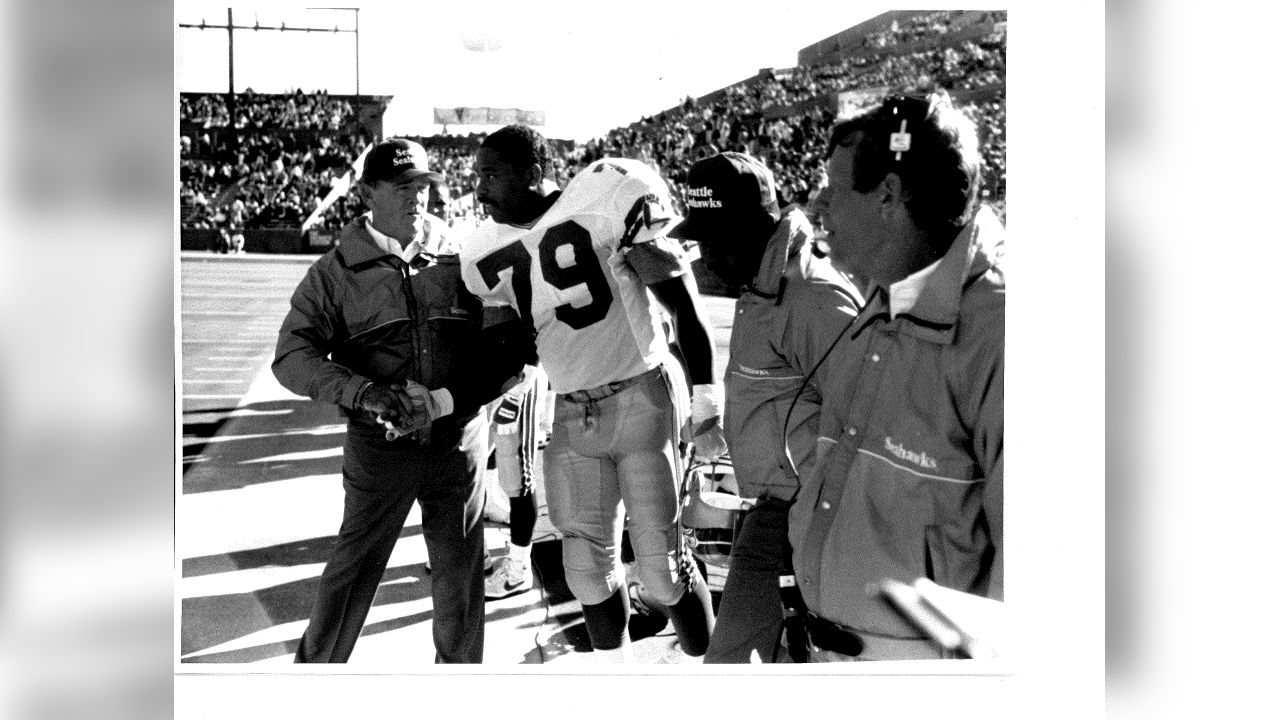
x=363, y=314
x=913, y=482
x=796, y=308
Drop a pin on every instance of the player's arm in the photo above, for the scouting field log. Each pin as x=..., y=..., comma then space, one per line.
x=689, y=320
x=662, y=265
x=679, y=295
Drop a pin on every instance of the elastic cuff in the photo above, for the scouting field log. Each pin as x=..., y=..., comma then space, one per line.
x=360, y=385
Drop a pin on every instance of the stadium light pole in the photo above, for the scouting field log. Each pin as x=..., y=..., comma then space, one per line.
x=231, y=27
x=355, y=10
x=231, y=81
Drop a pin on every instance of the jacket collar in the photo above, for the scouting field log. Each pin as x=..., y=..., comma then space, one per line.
x=356, y=245
x=977, y=249
x=790, y=246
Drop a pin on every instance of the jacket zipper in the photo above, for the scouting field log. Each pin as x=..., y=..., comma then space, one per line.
x=415, y=338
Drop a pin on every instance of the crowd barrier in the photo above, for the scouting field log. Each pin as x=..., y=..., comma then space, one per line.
x=265, y=240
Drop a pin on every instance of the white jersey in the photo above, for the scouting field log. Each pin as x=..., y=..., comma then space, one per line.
x=567, y=273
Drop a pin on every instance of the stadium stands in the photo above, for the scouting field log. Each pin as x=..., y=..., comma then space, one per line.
x=269, y=168
x=288, y=150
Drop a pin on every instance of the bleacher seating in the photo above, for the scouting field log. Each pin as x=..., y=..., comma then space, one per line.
x=273, y=165
x=293, y=146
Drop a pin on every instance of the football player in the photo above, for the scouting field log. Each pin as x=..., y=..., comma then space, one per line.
x=519, y=433
x=586, y=267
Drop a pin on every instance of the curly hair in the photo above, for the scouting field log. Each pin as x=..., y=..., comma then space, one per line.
x=940, y=171
x=521, y=146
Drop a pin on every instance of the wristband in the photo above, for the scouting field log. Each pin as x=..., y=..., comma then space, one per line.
x=438, y=402
x=708, y=401
x=441, y=402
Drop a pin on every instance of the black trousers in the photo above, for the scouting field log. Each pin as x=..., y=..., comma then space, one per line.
x=750, y=616
x=382, y=480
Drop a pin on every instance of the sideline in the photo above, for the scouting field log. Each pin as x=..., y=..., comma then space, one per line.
x=206, y=256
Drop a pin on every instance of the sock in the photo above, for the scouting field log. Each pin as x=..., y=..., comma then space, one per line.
x=519, y=553
x=693, y=618
x=607, y=621
x=621, y=656
x=524, y=513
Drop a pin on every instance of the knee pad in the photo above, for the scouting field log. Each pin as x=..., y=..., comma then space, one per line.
x=590, y=570
x=669, y=576
x=661, y=580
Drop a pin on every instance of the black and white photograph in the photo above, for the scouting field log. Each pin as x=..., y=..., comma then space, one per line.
x=574, y=358
x=531, y=340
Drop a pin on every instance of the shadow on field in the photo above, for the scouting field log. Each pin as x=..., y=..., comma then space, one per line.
x=212, y=620
x=265, y=442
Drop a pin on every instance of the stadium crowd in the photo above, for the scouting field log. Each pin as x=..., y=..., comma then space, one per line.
x=291, y=111
x=287, y=151
x=293, y=148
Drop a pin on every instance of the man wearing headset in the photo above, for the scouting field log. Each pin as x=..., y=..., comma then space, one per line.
x=909, y=480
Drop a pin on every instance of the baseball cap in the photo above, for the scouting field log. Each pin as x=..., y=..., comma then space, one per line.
x=723, y=190
x=397, y=160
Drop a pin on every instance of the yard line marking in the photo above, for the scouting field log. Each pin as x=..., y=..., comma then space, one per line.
x=238, y=412
x=314, y=432
x=296, y=456
x=209, y=397
x=213, y=295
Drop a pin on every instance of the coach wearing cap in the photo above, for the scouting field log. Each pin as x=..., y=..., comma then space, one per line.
x=793, y=306
x=382, y=327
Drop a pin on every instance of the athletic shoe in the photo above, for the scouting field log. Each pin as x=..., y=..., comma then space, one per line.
x=510, y=577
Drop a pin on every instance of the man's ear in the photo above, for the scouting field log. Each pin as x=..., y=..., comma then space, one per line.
x=891, y=194
x=533, y=176
x=361, y=190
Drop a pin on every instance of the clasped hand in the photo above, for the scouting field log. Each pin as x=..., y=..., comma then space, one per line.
x=402, y=408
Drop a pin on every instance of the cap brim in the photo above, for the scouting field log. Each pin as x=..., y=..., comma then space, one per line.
x=414, y=173
x=684, y=230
